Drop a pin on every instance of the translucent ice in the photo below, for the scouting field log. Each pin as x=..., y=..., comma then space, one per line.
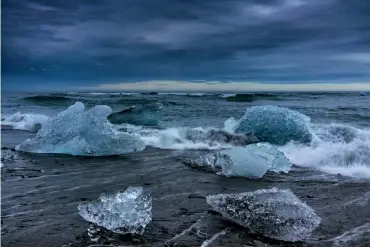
x=241, y=162
x=275, y=125
x=275, y=158
x=274, y=213
x=79, y=132
x=253, y=160
x=127, y=212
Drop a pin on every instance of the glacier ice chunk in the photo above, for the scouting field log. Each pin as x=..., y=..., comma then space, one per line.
x=253, y=160
x=127, y=212
x=276, y=125
x=274, y=213
x=240, y=162
x=79, y=132
x=275, y=158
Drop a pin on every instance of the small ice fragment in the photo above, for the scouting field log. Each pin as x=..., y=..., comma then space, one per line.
x=274, y=213
x=127, y=212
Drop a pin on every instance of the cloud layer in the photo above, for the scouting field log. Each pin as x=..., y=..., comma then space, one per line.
x=269, y=41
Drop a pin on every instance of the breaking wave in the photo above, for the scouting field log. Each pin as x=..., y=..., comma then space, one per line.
x=333, y=148
x=48, y=99
x=27, y=121
x=145, y=115
x=336, y=149
x=186, y=138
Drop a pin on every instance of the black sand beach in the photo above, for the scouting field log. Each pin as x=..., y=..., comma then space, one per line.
x=40, y=194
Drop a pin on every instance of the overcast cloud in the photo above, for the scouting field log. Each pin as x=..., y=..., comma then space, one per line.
x=87, y=43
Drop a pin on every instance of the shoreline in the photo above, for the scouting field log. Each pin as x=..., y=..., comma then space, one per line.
x=40, y=194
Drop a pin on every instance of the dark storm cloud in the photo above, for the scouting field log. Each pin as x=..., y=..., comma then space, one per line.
x=269, y=41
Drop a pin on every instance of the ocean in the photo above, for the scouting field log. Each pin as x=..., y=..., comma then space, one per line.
x=41, y=192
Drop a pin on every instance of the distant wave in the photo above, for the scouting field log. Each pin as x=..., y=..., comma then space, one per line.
x=187, y=94
x=49, y=100
x=40, y=98
x=227, y=95
x=250, y=97
x=97, y=94
x=144, y=115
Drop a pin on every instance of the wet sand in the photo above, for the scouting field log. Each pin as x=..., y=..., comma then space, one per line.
x=40, y=194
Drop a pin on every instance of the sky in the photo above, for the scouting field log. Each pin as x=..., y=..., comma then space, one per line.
x=188, y=45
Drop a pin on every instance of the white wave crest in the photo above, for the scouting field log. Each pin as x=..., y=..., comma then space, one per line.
x=26, y=121
x=337, y=149
x=185, y=137
x=99, y=93
x=227, y=95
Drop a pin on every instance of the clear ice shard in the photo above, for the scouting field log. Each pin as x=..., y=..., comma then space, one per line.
x=276, y=125
x=276, y=159
x=274, y=213
x=252, y=161
x=241, y=162
x=124, y=213
x=79, y=132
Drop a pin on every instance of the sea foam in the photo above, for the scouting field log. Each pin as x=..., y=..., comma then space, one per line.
x=25, y=121
x=336, y=149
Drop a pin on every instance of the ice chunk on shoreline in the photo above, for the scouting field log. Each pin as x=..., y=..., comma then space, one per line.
x=274, y=213
x=275, y=125
x=127, y=212
x=240, y=162
x=253, y=161
x=28, y=121
x=79, y=132
x=275, y=158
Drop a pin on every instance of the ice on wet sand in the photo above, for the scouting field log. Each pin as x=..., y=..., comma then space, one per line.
x=274, y=213
x=127, y=212
x=252, y=161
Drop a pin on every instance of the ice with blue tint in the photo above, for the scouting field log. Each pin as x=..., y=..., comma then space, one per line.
x=274, y=213
x=276, y=125
x=127, y=212
x=275, y=158
x=79, y=132
x=240, y=162
x=251, y=161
